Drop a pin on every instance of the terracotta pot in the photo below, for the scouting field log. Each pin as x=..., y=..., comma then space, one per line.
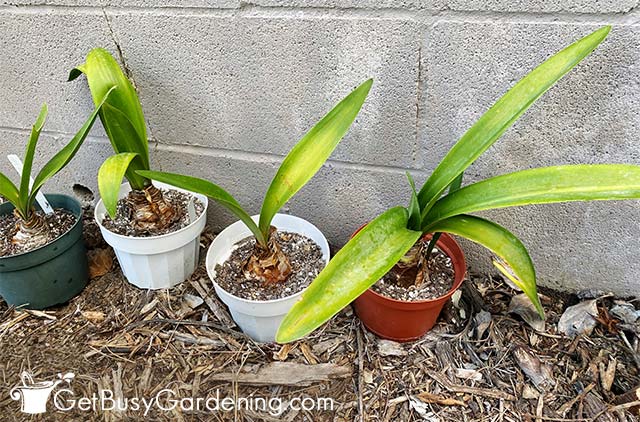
x=406, y=321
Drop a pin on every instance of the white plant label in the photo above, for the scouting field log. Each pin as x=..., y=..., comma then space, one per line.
x=16, y=162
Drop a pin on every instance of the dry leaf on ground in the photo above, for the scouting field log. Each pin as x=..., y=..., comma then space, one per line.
x=100, y=262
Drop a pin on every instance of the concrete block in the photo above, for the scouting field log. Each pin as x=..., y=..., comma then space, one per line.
x=37, y=51
x=213, y=4
x=534, y=6
x=338, y=200
x=590, y=116
x=343, y=4
x=259, y=84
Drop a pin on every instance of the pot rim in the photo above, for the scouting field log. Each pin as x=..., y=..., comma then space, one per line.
x=455, y=286
x=260, y=302
x=54, y=241
x=203, y=198
x=271, y=301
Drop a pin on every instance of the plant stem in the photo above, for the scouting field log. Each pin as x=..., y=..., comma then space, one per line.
x=412, y=268
x=454, y=186
x=432, y=244
x=32, y=230
x=268, y=264
x=151, y=210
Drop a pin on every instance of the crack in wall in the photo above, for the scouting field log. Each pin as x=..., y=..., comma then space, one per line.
x=114, y=38
x=414, y=154
x=125, y=67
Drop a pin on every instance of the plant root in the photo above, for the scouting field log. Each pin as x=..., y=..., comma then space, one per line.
x=151, y=210
x=268, y=265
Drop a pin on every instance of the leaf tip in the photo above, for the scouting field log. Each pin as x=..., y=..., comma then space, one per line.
x=284, y=334
x=281, y=338
x=99, y=53
x=366, y=85
x=601, y=33
x=42, y=117
x=412, y=183
x=605, y=29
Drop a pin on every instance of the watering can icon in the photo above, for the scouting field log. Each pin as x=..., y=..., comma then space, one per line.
x=35, y=395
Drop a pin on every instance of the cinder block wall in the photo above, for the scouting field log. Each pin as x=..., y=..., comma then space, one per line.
x=229, y=86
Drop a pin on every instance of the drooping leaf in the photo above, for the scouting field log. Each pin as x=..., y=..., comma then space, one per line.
x=514, y=261
x=414, y=206
x=213, y=191
x=121, y=115
x=368, y=256
x=310, y=153
x=9, y=191
x=110, y=178
x=121, y=128
x=28, y=159
x=66, y=154
x=582, y=182
x=503, y=113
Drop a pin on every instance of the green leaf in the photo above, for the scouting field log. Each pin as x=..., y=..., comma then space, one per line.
x=581, y=182
x=9, y=191
x=66, y=154
x=414, y=206
x=28, y=160
x=308, y=155
x=121, y=115
x=456, y=184
x=369, y=255
x=110, y=178
x=121, y=128
x=503, y=113
x=514, y=262
x=213, y=191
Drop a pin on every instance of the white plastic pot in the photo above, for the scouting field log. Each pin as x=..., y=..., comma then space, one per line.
x=156, y=262
x=259, y=319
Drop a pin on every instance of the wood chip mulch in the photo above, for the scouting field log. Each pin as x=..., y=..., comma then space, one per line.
x=480, y=363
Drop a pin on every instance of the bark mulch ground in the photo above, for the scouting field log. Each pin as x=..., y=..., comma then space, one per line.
x=480, y=363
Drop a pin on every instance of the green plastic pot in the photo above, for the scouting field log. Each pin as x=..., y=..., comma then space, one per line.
x=50, y=274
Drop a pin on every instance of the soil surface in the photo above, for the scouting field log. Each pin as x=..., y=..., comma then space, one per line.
x=124, y=221
x=304, y=255
x=437, y=282
x=59, y=223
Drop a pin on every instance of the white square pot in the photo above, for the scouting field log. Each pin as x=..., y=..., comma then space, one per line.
x=156, y=262
x=259, y=319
